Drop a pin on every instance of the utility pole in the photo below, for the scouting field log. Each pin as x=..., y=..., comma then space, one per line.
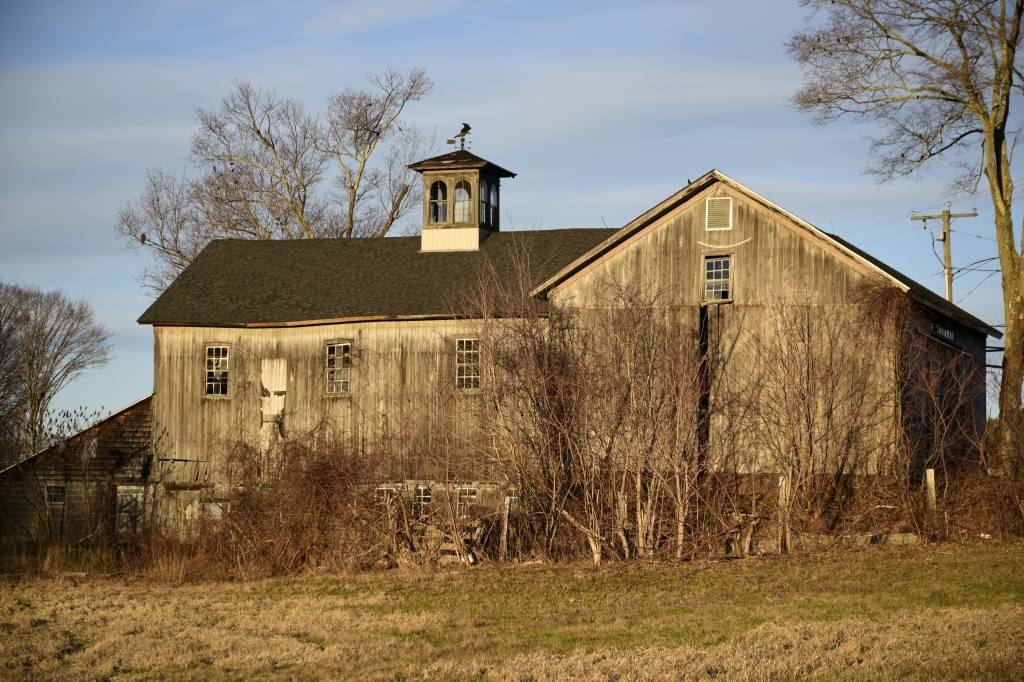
x=947, y=255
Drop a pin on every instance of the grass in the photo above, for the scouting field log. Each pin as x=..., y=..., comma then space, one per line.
x=934, y=612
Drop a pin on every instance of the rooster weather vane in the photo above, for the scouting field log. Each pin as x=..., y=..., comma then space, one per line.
x=461, y=136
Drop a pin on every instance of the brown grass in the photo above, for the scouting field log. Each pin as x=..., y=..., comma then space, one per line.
x=935, y=612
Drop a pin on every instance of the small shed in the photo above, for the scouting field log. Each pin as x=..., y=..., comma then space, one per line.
x=95, y=483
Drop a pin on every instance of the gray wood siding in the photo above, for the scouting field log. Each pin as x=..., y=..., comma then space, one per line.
x=770, y=255
x=401, y=374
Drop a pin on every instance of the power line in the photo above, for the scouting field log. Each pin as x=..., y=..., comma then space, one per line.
x=887, y=221
x=976, y=236
x=894, y=234
x=976, y=286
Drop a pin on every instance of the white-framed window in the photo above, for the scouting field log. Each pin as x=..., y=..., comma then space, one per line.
x=467, y=364
x=438, y=202
x=718, y=213
x=718, y=278
x=339, y=366
x=216, y=370
x=467, y=498
x=463, y=202
x=384, y=494
x=422, y=497
x=56, y=494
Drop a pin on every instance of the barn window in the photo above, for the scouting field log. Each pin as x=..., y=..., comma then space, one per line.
x=56, y=494
x=438, y=202
x=485, y=206
x=216, y=370
x=494, y=206
x=463, y=203
x=421, y=500
x=944, y=333
x=339, y=365
x=718, y=213
x=467, y=364
x=718, y=279
x=467, y=498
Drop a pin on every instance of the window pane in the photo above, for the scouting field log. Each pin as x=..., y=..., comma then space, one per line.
x=339, y=363
x=467, y=363
x=717, y=279
x=463, y=207
x=216, y=370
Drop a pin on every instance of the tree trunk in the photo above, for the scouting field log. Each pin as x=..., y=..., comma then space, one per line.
x=1010, y=443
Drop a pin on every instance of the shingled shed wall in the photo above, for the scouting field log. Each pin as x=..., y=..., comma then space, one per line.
x=89, y=466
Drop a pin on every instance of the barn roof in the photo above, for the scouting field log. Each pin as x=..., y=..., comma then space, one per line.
x=915, y=290
x=266, y=283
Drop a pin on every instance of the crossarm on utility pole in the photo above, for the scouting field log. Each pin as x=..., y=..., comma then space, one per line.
x=947, y=251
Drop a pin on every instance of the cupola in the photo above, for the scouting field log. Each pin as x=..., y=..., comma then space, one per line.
x=461, y=195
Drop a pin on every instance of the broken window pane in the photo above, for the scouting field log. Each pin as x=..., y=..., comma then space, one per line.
x=438, y=202
x=216, y=370
x=339, y=364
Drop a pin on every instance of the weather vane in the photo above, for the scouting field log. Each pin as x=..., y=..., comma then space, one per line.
x=461, y=137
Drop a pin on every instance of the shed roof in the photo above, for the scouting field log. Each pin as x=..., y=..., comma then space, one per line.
x=292, y=282
x=142, y=403
x=914, y=289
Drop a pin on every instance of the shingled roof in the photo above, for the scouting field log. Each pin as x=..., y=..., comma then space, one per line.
x=255, y=283
x=460, y=159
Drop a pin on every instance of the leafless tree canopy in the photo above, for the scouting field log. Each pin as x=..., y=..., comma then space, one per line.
x=941, y=77
x=269, y=169
x=47, y=341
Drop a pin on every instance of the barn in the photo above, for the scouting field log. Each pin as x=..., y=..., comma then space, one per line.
x=259, y=342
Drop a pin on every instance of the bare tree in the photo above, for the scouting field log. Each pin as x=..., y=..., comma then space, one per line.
x=941, y=77
x=11, y=395
x=373, y=198
x=265, y=172
x=56, y=339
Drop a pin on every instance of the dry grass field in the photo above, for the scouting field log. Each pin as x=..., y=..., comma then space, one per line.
x=933, y=612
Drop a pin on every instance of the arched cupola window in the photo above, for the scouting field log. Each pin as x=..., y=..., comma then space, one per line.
x=485, y=208
x=438, y=202
x=463, y=207
x=494, y=205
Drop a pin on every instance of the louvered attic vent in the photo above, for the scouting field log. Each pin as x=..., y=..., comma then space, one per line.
x=718, y=214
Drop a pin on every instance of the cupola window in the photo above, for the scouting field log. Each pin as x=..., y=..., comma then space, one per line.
x=463, y=206
x=485, y=207
x=438, y=202
x=494, y=206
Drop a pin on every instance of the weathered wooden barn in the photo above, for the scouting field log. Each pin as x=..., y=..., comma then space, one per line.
x=94, y=484
x=259, y=341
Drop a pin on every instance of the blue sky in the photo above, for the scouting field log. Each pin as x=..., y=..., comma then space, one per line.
x=602, y=108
